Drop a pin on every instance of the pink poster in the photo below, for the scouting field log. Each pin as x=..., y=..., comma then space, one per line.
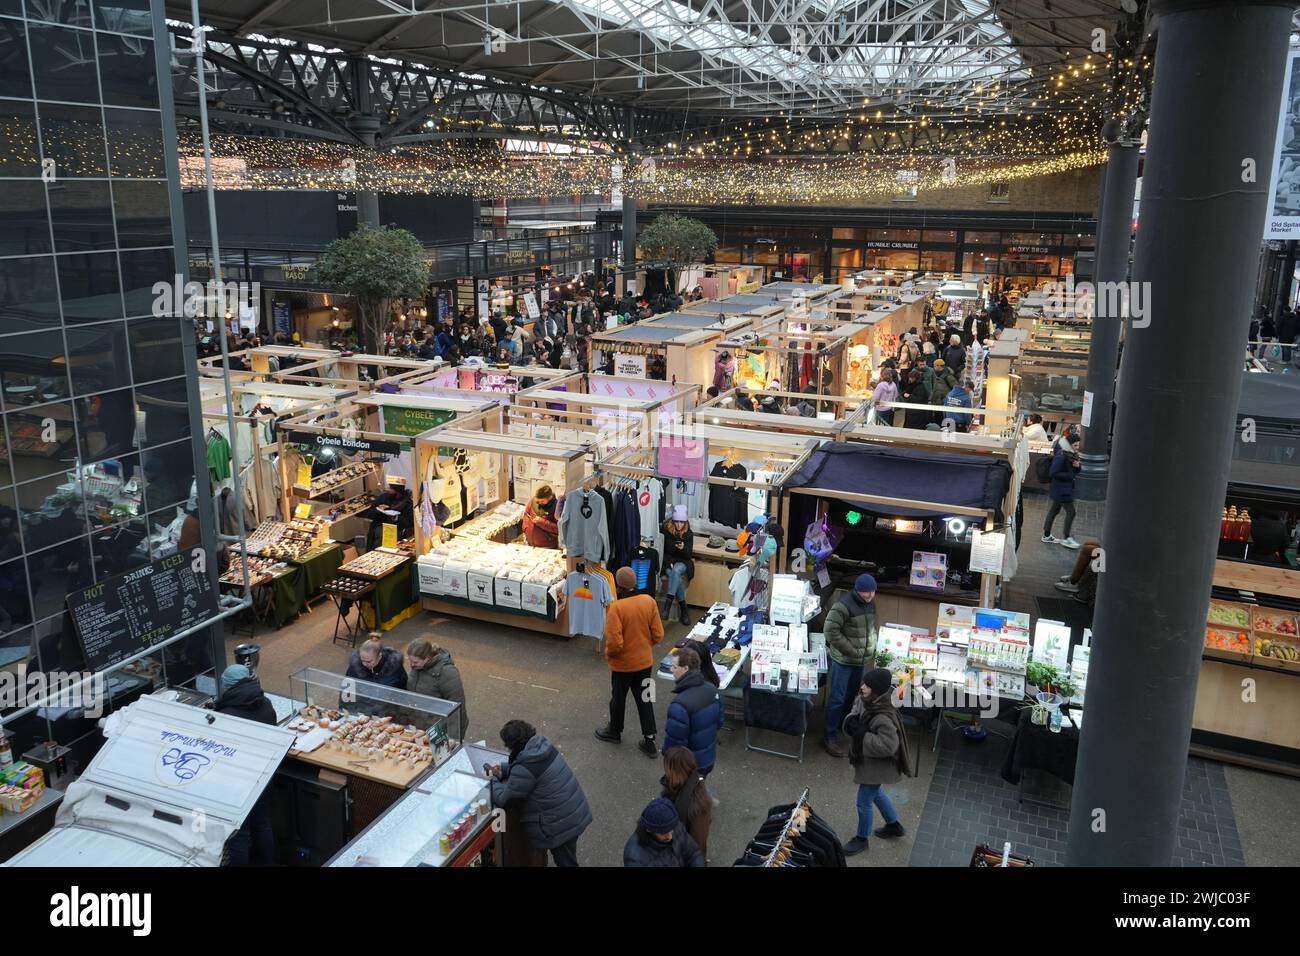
x=685, y=458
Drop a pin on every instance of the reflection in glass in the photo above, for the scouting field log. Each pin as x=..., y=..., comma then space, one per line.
x=127, y=70
x=52, y=510
x=106, y=425
x=27, y=294
x=73, y=136
x=57, y=572
x=82, y=214
x=114, y=489
x=63, y=63
x=164, y=407
x=15, y=602
x=21, y=156
x=169, y=475
x=90, y=287
x=24, y=223
x=75, y=13
x=121, y=548
x=124, y=16
x=142, y=212
x=32, y=367
x=155, y=348
x=135, y=145
x=140, y=270
x=97, y=357
x=41, y=440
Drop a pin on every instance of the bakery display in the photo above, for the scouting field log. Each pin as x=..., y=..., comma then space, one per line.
x=365, y=737
x=338, y=477
x=375, y=564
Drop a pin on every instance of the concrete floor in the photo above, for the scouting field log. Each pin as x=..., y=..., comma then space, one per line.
x=562, y=687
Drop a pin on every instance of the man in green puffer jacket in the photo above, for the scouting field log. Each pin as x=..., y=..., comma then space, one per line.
x=850, y=630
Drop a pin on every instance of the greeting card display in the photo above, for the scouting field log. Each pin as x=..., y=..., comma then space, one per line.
x=929, y=570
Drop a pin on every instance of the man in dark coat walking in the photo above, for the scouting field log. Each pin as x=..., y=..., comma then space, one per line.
x=695, y=716
x=555, y=809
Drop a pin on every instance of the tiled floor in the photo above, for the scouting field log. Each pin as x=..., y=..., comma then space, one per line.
x=969, y=803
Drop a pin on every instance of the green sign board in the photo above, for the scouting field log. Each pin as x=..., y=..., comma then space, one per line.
x=413, y=421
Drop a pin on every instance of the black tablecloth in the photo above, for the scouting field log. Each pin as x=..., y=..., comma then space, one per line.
x=1035, y=747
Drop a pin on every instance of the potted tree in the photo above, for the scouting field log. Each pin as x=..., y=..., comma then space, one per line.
x=376, y=267
x=676, y=242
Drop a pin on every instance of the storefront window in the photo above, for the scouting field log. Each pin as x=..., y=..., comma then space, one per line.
x=948, y=236
x=933, y=260
x=973, y=238
x=847, y=258
x=902, y=259
x=846, y=232
x=896, y=235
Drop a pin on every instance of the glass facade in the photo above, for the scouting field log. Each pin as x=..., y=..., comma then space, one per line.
x=97, y=457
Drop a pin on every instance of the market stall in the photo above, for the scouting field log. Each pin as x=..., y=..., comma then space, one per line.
x=501, y=380
x=382, y=742
x=720, y=281
x=655, y=350
x=349, y=472
x=726, y=478
x=933, y=522
x=1052, y=382
x=357, y=371
x=473, y=560
x=726, y=311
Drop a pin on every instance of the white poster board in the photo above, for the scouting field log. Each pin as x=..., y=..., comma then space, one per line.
x=1052, y=643
x=986, y=551
x=530, y=303
x=1283, y=220
x=484, y=303
x=629, y=366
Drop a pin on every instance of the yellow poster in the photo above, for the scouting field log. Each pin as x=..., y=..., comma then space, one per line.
x=390, y=535
x=304, y=475
x=302, y=511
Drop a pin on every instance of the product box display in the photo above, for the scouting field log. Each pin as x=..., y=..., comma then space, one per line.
x=513, y=576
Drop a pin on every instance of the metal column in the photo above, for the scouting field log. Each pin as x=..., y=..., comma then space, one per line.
x=628, y=272
x=1178, y=403
x=1113, y=231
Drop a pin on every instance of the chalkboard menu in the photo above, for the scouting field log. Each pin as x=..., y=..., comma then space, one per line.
x=132, y=612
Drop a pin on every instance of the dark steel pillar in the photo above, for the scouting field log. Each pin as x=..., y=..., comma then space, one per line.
x=1114, y=227
x=1182, y=381
x=366, y=126
x=628, y=272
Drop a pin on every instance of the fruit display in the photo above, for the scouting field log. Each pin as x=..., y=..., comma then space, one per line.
x=1229, y=615
x=1238, y=642
x=1278, y=650
x=1275, y=622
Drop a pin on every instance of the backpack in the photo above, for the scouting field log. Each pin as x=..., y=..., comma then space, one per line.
x=1043, y=469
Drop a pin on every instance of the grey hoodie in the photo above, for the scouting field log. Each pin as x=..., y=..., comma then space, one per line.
x=584, y=533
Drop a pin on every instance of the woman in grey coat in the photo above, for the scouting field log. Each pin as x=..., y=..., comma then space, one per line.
x=555, y=810
x=434, y=674
x=878, y=752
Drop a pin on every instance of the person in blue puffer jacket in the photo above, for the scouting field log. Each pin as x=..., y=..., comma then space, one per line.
x=695, y=717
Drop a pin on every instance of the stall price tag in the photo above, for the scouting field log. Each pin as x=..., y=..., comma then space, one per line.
x=390, y=535
x=304, y=475
x=302, y=511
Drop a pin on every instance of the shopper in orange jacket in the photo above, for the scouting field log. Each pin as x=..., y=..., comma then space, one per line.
x=632, y=629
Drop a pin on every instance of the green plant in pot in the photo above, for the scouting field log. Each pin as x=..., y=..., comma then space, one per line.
x=1043, y=676
x=884, y=658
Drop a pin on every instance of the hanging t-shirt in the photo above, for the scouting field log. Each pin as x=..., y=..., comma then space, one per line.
x=589, y=597
x=756, y=498
x=644, y=563
x=649, y=502
x=739, y=586
x=218, y=457
x=728, y=506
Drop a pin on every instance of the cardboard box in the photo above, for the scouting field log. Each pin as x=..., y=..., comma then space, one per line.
x=508, y=591
x=480, y=587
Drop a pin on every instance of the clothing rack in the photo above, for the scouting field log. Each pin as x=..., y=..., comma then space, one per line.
x=800, y=804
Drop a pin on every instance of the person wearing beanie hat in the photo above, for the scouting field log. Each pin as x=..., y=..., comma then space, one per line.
x=879, y=753
x=661, y=839
x=253, y=844
x=632, y=629
x=850, y=630
x=679, y=565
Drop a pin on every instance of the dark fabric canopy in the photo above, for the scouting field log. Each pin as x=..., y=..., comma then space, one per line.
x=966, y=481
